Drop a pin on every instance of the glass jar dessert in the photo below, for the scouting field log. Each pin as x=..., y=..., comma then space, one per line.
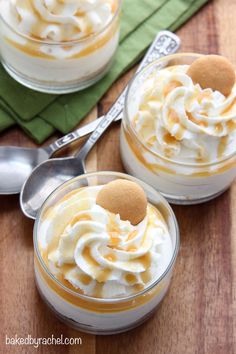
x=179, y=131
x=105, y=247
x=56, y=46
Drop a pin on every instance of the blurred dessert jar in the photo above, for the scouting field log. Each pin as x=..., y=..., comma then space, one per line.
x=104, y=254
x=58, y=46
x=179, y=127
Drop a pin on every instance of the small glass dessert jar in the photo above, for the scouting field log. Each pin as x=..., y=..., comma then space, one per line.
x=58, y=47
x=96, y=272
x=176, y=136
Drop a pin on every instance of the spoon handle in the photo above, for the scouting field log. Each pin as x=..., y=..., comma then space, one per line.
x=165, y=43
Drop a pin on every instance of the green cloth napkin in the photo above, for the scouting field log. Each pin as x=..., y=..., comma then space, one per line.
x=39, y=115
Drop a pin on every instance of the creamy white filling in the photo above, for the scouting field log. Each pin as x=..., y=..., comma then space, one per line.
x=178, y=119
x=96, y=251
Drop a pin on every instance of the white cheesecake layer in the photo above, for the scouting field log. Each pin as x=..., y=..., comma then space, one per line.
x=90, y=321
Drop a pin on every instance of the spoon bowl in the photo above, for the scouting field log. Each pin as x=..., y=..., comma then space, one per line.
x=16, y=165
x=44, y=179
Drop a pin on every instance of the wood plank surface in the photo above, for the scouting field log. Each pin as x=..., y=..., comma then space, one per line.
x=199, y=313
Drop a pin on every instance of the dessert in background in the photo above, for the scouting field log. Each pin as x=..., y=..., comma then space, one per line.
x=105, y=243
x=57, y=46
x=179, y=131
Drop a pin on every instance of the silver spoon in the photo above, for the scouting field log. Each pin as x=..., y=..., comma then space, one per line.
x=16, y=163
x=52, y=173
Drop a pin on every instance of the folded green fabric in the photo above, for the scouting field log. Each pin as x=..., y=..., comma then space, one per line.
x=40, y=115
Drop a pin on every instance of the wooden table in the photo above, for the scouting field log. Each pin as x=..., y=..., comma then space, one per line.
x=199, y=313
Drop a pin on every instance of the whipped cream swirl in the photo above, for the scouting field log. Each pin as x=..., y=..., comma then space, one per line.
x=58, y=20
x=99, y=254
x=184, y=122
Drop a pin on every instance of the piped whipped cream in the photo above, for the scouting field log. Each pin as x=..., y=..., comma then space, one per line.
x=96, y=253
x=183, y=122
x=58, y=20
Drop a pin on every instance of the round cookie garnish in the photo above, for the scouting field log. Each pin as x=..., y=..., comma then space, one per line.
x=125, y=198
x=213, y=71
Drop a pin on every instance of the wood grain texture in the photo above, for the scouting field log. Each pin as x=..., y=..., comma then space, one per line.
x=199, y=313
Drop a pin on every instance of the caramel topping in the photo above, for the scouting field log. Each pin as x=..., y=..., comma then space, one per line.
x=171, y=86
x=132, y=235
x=139, y=153
x=132, y=249
x=222, y=146
x=146, y=276
x=114, y=241
x=34, y=49
x=180, y=133
x=173, y=117
x=156, y=167
x=83, y=217
x=203, y=95
x=130, y=278
x=195, y=121
x=111, y=257
x=231, y=125
x=105, y=307
x=145, y=260
x=69, y=275
x=169, y=139
x=68, y=31
x=89, y=258
x=219, y=128
x=230, y=107
x=85, y=279
x=103, y=275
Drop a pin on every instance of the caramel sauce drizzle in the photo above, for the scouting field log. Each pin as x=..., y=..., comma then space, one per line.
x=104, y=307
x=231, y=125
x=146, y=276
x=202, y=95
x=89, y=258
x=101, y=274
x=169, y=139
x=230, y=107
x=170, y=87
x=110, y=257
x=222, y=146
x=82, y=217
x=173, y=119
x=130, y=278
x=34, y=49
x=155, y=167
x=132, y=235
x=195, y=121
x=137, y=150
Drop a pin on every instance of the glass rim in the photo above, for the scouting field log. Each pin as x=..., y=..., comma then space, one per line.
x=107, y=300
x=128, y=120
x=64, y=43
